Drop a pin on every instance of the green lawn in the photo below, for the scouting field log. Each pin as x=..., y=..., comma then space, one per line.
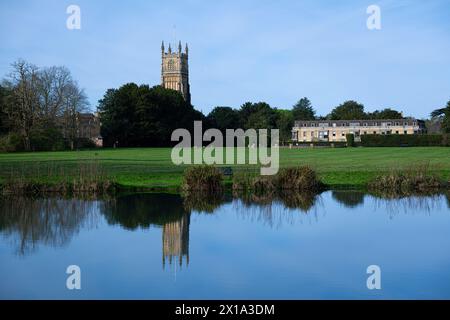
x=152, y=167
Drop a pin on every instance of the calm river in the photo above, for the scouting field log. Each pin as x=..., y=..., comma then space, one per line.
x=161, y=246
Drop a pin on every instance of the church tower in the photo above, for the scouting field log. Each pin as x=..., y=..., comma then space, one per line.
x=175, y=71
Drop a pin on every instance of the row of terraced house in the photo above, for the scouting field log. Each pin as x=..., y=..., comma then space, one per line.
x=337, y=130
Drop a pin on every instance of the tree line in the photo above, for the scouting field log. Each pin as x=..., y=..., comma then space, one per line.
x=261, y=115
x=39, y=107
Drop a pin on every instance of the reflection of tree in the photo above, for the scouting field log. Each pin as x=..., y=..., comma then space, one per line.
x=303, y=201
x=49, y=221
x=142, y=210
x=399, y=194
x=447, y=196
x=272, y=207
x=204, y=201
x=349, y=198
x=422, y=203
x=292, y=200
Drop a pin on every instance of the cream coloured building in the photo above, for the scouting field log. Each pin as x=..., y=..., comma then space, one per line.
x=175, y=70
x=336, y=130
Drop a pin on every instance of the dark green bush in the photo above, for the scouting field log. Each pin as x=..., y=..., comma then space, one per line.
x=11, y=142
x=403, y=140
x=350, y=137
x=47, y=139
x=85, y=143
x=336, y=144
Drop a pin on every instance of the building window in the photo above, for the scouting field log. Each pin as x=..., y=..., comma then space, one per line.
x=312, y=133
x=334, y=133
x=374, y=132
x=397, y=123
x=405, y=132
x=343, y=134
x=304, y=133
x=364, y=132
x=396, y=131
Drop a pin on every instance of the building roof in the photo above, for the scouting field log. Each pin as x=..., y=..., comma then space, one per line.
x=410, y=121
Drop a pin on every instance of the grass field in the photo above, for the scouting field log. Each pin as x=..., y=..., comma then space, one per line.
x=152, y=167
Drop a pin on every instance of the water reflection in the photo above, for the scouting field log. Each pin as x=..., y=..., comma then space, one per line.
x=349, y=198
x=176, y=240
x=159, y=210
x=30, y=222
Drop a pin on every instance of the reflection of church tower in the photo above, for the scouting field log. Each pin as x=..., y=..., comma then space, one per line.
x=176, y=240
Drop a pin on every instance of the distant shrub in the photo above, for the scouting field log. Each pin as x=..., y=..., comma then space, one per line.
x=202, y=178
x=335, y=144
x=11, y=142
x=85, y=143
x=350, y=137
x=403, y=140
x=47, y=139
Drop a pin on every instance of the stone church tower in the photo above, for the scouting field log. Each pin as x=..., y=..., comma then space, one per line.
x=175, y=71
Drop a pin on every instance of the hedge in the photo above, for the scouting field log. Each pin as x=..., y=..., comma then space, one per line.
x=350, y=137
x=336, y=144
x=404, y=140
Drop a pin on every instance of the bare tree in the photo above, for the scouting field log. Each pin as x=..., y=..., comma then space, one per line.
x=43, y=98
x=75, y=102
x=53, y=86
x=24, y=103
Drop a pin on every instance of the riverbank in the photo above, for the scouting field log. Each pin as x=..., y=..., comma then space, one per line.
x=151, y=169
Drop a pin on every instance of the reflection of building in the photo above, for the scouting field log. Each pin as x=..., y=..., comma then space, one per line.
x=175, y=238
x=336, y=130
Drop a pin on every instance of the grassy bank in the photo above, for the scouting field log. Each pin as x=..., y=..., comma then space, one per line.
x=151, y=168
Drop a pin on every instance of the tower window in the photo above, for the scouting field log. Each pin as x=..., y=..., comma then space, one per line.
x=171, y=65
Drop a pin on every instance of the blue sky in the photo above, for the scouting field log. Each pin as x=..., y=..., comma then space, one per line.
x=273, y=51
